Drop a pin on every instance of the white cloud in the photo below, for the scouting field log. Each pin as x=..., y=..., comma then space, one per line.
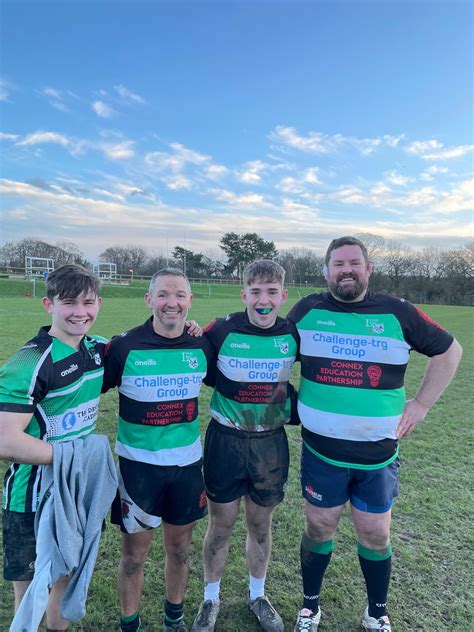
x=428, y=174
x=249, y=177
x=244, y=200
x=5, y=89
x=75, y=147
x=398, y=179
x=319, y=142
x=176, y=160
x=447, y=154
x=216, y=172
x=128, y=95
x=460, y=198
x=290, y=184
x=52, y=92
x=102, y=109
x=55, y=98
x=311, y=176
x=314, y=142
x=40, y=137
x=422, y=146
x=175, y=183
x=250, y=172
x=118, y=151
x=6, y=136
x=434, y=150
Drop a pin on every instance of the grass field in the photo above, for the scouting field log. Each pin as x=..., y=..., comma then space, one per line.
x=432, y=531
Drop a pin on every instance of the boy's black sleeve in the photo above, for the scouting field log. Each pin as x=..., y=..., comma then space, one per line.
x=113, y=365
x=211, y=353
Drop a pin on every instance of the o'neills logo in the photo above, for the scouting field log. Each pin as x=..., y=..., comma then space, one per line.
x=71, y=369
x=148, y=362
x=239, y=345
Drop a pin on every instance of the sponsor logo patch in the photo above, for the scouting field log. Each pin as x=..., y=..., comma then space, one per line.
x=375, y=373
x=310, y=491
x=68, y=421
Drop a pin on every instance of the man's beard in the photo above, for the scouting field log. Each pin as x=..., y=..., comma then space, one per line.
x=347, y=292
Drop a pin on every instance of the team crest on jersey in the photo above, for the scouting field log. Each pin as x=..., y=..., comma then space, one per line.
x=373, y=323
x=97, y=359
x=282, y=345
x=190, y=359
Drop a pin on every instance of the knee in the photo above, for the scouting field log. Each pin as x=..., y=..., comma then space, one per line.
x=260, y=532
x=377, y=540
x=177, y=550
x=220, y=529
x=133, y=563
x=217, y=538
x=320, y=528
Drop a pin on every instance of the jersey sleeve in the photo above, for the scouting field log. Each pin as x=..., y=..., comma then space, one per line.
x=24, y=379
x=423, y=333
x=299, y=309
x=113, y=364
x=210, y=354
x=296, y=336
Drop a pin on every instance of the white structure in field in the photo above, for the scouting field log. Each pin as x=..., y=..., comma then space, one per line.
x=106, y=270
x=38, y=266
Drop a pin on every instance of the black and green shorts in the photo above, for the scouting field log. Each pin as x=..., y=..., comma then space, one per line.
x=19, y=545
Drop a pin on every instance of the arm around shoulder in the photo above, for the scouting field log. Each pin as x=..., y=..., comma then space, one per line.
x=18, y=446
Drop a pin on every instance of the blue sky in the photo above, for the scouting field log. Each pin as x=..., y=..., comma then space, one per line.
x=171, y=123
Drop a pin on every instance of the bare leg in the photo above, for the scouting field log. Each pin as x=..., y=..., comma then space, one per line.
x=19, y=589
x=135, y=549
x=54, y=619
x=321, y=522
x=259, y=537
x=222, y=517
x=373, y=529
x=177, y=541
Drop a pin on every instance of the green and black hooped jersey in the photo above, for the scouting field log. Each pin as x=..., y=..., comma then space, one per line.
x=60, y=387
x=252, y=391
x=353, y=362
x=158, y=380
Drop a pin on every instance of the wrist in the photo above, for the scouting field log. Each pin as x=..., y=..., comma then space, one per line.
x=421, y=403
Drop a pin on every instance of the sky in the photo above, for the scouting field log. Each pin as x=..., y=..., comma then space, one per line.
x=164, y=123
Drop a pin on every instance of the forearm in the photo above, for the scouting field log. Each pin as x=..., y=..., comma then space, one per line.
x=439, y=373
x=22, y=448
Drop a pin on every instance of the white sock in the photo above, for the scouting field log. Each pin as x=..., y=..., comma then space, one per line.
x=211, y=591
x=256, y=587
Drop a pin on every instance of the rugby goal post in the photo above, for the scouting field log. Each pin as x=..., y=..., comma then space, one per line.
x=38, y=266
x=106, y=270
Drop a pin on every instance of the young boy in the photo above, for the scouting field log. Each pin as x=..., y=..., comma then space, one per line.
x=246, y=448
x=49, y=392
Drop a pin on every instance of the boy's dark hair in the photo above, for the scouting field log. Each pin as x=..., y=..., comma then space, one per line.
x=168, y=272
x=71, y=280
x=265, y=271
x=345, y=241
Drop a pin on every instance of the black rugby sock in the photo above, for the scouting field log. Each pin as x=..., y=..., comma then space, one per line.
x=315, y=557
x=173, y=612
x=376, y=567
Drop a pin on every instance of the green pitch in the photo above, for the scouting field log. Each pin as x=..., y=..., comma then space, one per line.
x=432, y=527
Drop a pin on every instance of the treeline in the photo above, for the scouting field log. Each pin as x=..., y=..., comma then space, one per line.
x=432, y=275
